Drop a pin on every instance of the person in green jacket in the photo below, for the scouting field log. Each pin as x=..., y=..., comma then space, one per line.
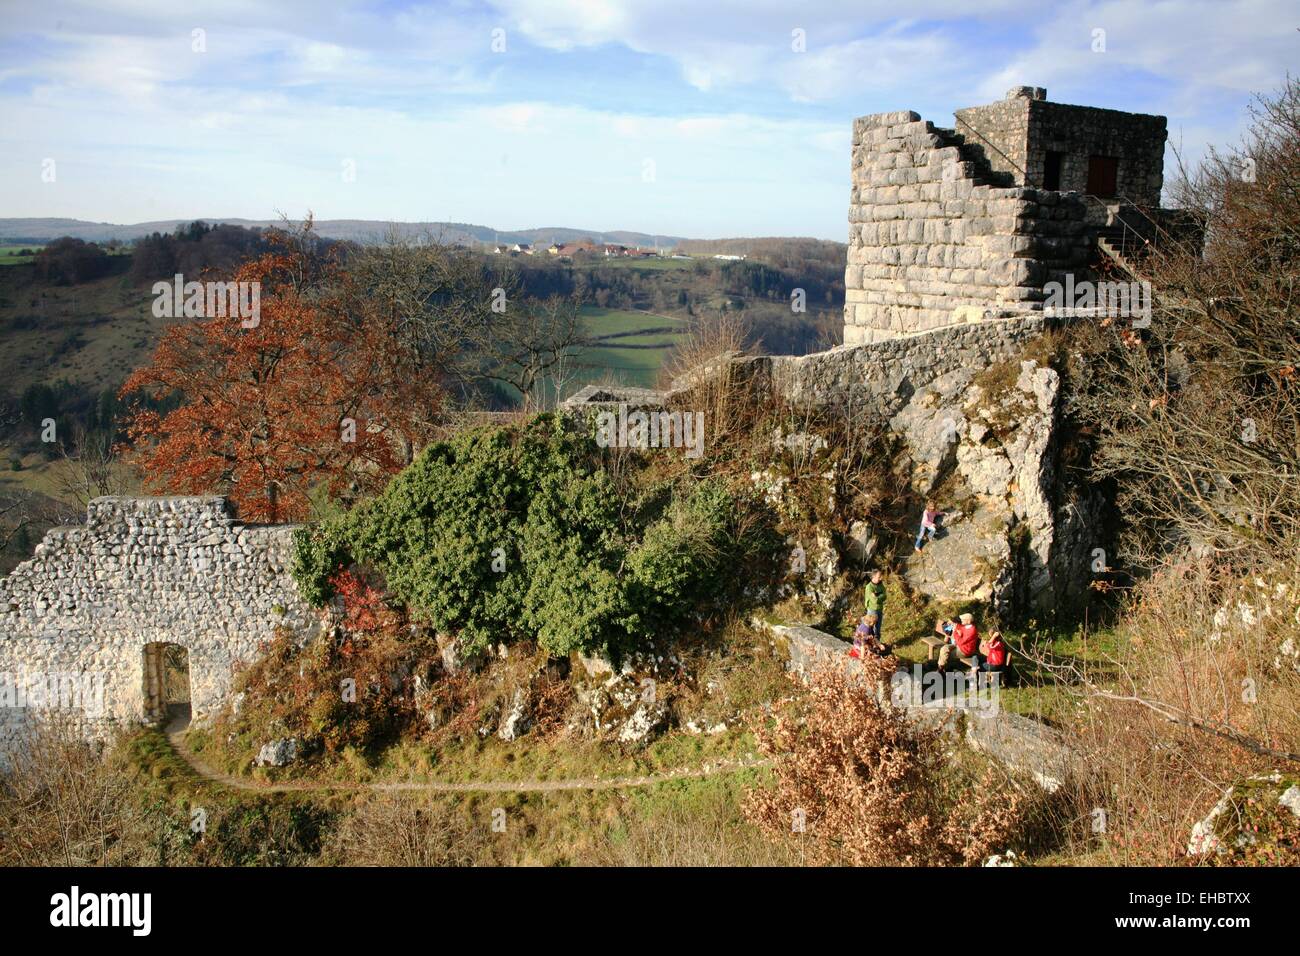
x=875, y=599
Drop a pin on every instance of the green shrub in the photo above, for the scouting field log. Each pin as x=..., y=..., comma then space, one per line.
x=503, y=533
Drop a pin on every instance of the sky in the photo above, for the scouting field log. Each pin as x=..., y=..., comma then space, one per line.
x=698, y=118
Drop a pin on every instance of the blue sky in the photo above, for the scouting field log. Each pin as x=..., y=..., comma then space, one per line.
x=677, y=117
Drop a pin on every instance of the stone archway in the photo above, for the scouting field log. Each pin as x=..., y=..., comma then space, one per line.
x=166, y=683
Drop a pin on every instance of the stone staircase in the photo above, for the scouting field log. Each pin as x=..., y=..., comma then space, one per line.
x=976, y=164
x=1122, y=243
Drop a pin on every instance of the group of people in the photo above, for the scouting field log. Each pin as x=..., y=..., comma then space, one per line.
x=960, y=636
x=866, y=638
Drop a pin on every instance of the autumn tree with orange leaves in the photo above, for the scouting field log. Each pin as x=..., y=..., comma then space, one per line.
x=321, y=392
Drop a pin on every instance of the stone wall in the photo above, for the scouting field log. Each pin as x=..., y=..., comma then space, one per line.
x=998, y=134
x=179, y=570
x=883, y=376
x=933, y=242
x=951, y=224
x=1018, y=132
x=877, y=378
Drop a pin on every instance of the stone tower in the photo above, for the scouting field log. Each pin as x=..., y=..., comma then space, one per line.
x=949, y=226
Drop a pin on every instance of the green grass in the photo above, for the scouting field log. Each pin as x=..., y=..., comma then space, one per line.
x=625, y=359
x=1036, y=690
x=9, y=254
x=647, y=265
x=610, y=321
x=531, y=759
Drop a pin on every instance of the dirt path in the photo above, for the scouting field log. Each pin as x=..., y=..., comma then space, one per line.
x=175, y=732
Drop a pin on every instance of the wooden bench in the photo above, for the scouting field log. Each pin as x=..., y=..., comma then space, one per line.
x=932, y=644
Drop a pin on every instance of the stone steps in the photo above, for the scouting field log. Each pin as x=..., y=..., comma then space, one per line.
x=984, y=174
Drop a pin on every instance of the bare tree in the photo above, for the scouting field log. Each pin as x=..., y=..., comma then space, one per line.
x=1199, y=418
x=89, y=466
x=467, y=323
x=527, y=342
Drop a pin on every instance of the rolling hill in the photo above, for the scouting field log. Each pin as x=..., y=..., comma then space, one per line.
x=360, y=230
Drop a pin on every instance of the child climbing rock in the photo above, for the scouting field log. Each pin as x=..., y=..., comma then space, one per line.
x=929, y=524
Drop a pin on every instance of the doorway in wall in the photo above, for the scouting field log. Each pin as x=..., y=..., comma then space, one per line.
x=1103, y=176
x=166, y=683
x=1052, y=169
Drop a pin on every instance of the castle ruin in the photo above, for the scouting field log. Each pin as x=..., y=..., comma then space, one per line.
x=951, y=226
x=954, y=234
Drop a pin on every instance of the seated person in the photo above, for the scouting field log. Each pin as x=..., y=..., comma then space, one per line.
x=994, y=654
x=867, y=636
x=930, y=518
x=965, y=638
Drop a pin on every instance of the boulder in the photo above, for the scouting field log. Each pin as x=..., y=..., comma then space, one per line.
x=277, y=753
x=647, y=718
x=516, y=721
x=1023, y=744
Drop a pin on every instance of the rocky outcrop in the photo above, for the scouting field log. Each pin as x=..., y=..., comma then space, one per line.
x=622, y=703
x=277, y=753
x=516, y=720
x=985, y=455
x=985, y=447
x=1262, y=808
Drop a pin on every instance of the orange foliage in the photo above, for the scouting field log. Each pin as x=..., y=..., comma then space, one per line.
x=859, y=782
x=264, y=411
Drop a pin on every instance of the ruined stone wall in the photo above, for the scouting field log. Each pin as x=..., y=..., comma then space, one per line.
x=178, y=570
x=1016, y=134
x=998, y=132
x=883, y=376
x=932, y=243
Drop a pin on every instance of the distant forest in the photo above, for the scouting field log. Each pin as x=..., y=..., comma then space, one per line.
x=758, y=289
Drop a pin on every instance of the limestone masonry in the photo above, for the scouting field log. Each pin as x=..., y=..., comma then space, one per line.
x=949, y=226
x=80, y=614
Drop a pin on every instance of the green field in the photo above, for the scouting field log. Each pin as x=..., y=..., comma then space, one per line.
x=654, y=264
x=9, y=254
x=620, y=354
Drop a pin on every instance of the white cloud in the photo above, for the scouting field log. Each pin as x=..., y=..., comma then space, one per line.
x=1198, y=45
x=514, y=165
x=746, y=134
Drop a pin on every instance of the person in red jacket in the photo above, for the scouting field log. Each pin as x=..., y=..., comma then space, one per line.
x=965, y=638
x=994, y=654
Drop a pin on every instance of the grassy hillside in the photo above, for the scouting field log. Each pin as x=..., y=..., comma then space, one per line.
x=92, y=334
